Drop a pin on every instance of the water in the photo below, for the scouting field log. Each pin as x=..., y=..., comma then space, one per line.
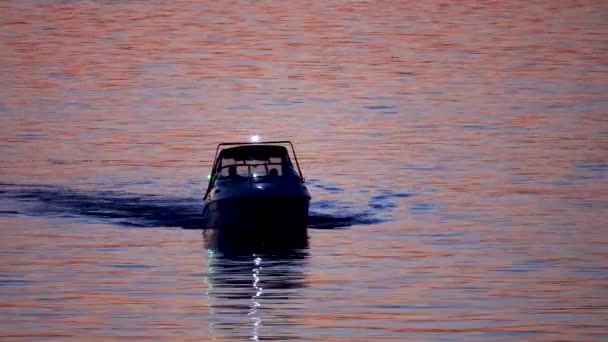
x=456, y=155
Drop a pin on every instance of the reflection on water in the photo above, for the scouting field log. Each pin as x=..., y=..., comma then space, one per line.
x=281, y=241
x=462, y=145
x=254, y=285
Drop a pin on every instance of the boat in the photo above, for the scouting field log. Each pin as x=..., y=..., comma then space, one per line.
x=255, y=184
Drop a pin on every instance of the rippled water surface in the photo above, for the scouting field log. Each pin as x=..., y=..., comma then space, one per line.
x=456, y=154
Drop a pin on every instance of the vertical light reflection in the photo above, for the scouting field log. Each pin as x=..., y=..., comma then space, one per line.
x=257, y=320
x=235, y=284
x=209, y=292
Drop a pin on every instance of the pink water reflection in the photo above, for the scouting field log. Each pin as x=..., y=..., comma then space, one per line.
x=490, y=118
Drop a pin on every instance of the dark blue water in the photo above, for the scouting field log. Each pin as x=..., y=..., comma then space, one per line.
x=137, y=210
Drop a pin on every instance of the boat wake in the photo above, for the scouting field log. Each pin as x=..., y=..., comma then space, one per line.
x=140, y=210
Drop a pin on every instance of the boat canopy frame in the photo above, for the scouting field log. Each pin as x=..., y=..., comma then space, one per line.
x=221, y=146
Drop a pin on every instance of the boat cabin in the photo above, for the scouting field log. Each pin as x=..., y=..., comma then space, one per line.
x=254, y=162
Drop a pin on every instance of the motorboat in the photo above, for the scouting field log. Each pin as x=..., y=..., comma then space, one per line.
x=255, y=184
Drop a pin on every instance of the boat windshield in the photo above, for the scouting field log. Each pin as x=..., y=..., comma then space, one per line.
x=254, y=162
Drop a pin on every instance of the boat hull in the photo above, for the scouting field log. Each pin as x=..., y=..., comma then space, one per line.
x=270, y=213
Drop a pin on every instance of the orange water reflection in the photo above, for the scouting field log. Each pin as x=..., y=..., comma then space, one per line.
x=477, y=130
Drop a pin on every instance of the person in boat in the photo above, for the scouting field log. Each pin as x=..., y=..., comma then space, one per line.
x=232, y=172
x=273, y=172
